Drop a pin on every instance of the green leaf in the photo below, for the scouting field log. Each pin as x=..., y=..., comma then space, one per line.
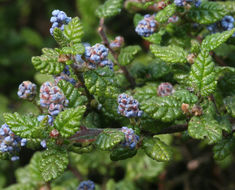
x=167, y=108
x=20, y=187
x=213, y=41
x=207, y=13
x=74, y=49
x=121, y=153
x=230, y=105
x=228, y=5
x=146, y=92
x=34, y=165
x=68, y=121
x=59, y=37
x=48, y=62
x=163, y=15
x=154, y=38
x=127, y=54
x=170, y=54
x=74, y=31
x=205, y=127
x=71, y=93
x=202, y=75
x=224, y=148
x=101, y=82
x=53, y=163
x=137, y=18
x=108, y=139
x=157, y=150
x=23, y=126
x=109, y=8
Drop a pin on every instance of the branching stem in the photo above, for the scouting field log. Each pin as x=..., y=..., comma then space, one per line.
x=115, y=55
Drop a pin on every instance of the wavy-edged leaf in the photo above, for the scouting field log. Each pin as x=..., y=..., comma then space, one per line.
x=74, y=49
x=146, y=92
x=108, y=139
x=101, y=82
x=59, y=37
x=223, y=148
x=23, y=126
x=20, y=186
x=48, y=63
x=228, y=5
x=53, y=163
x=170, y=54
x=215, y=40
x=167, y=108
x=127, y=54
x=68, y=121
x=71, y=93
x=202, y=76
x=163, y=15
x=34, y=166
x=205, y=127
x=109, y=8
x=74, y=30
x=164, y=108
x=230, y=105
x=154, y=38
x=121, y=153
x=157, y=150
x=207, y=13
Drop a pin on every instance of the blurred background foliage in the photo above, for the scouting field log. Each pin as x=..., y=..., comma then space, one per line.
x=24, y=26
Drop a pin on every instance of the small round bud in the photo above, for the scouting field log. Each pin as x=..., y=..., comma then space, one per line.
x=54, y=133
x=185, y=108
x=117, y=43
x=191, y=57
x=165, y=89
x=197, y=110
x=27, y=90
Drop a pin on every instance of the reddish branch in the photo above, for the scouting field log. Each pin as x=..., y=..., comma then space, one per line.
x=115, y=55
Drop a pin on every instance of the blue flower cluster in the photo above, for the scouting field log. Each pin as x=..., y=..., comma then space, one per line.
x=146, y=26
x=53, y=98
x=182, y=3
x=165, y=89
x=97, y=56
x=27, y=90
x=227, y=23
x=86, y=185
x=131, y=139
x=58, y=20
x=65, y=75
x=96, y=53
x=128, y=106
x=9, y=142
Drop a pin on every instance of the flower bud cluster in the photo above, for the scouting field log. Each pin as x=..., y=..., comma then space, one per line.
x=86, y=185
x=65, y=75
x=58, y=20
x=27, y=90
x=52, y=98
x=97, y=56
x=227, y=23
x=117, y=43
x=128, y=106
x=165, y=89
x=146, y=26
x=9, y=142
x=182, y=3
x=131, y=139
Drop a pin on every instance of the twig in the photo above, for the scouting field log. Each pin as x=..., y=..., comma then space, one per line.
x=173, y=129
x=115, y=55
x=75, y=172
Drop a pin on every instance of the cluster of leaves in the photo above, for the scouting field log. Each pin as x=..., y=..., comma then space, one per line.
x=91, y=123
